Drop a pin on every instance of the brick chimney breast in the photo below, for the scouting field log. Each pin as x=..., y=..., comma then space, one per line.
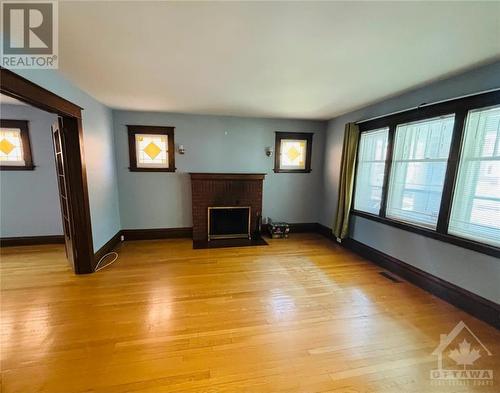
x=224, y=190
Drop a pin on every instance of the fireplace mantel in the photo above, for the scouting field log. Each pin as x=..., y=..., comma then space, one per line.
x=225, y=190
x=226, y=176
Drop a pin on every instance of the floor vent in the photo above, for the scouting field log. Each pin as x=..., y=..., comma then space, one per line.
x=390, y=276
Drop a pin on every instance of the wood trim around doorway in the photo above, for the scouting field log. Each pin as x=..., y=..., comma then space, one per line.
x=16, y=86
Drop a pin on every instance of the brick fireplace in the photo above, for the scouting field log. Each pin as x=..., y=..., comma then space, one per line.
x=232, y=191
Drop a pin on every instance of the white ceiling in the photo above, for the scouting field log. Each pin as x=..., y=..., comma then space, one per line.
x=277, y=59
x=7, y=100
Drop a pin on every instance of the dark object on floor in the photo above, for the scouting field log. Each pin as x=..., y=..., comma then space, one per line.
x=223, y=243
x=278, y=230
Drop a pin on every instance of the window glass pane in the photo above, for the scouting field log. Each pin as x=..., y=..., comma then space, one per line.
x=475, y=212
x=370, y=170
x=151, y=151
x=11, y=147
x=293, y=154
x=418, y=170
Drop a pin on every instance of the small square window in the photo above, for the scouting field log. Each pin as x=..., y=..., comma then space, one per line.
x=293, y=152
x=15, y=150
x=151, y=148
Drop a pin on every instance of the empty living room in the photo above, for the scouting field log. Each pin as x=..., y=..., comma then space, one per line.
x=250, y=196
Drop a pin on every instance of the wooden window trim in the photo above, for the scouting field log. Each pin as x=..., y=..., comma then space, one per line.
x=154, y=130
x=308, y=136
x=25, y=139
x=460, y=107
x=444, y=237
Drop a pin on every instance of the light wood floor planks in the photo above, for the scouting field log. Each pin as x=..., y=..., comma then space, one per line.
x=300, y=315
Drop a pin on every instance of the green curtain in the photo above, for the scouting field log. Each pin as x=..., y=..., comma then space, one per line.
x=347, y=170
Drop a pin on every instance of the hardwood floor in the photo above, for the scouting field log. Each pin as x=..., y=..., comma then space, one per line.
x=299, y=315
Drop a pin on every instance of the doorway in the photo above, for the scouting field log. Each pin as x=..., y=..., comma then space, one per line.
x=67, y=135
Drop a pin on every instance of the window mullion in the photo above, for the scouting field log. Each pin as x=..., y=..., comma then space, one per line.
x=387, y=172
x=451, y=172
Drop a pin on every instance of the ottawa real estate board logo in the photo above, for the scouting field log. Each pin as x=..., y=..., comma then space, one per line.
x=461, y=359
x=29, y=34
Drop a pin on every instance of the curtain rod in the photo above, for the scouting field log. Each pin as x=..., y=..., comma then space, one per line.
x=424, y=104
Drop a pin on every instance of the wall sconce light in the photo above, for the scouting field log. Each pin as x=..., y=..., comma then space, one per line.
x=269, y=151
x=180, y=149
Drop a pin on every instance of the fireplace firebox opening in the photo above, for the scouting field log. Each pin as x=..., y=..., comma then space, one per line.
x=229, y=222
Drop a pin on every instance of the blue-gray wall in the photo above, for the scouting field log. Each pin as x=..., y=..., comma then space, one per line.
x=99, y=152
x=29, y=200
x=215, y=144
x=473, y=271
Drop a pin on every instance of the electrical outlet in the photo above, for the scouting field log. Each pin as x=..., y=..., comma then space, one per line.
x=122, y=238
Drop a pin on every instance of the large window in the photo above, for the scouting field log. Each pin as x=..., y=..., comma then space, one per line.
x=435, y=171
x=419, y=163
x=370, y=170
x=476, y=201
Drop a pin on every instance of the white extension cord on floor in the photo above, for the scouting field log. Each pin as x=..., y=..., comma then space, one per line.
x=97, y=267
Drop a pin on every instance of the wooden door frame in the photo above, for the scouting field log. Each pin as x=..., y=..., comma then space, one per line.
x=20, y=88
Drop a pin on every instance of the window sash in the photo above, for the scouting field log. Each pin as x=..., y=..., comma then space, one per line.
x=305, y=150
x=145, y=161
x=301, y=153
x=367, y=166
x=420, y=156
x=166, y=146
x=15, y=146
x=476, y=201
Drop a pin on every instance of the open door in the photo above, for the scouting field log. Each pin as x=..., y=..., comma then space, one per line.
x=58, y=138
x=70, y=160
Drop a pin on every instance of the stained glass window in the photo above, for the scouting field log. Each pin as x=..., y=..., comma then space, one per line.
x=11, y=147
x=293, y=154
x=151, y=150
x=15, y=150
x=293, y=150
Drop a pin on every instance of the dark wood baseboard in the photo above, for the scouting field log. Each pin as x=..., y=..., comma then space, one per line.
x=187, y=232
x=157, y=233
x=303, y=227
x=481, y=308
x=31, y=240
x=325, y=231
x=106, y=248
